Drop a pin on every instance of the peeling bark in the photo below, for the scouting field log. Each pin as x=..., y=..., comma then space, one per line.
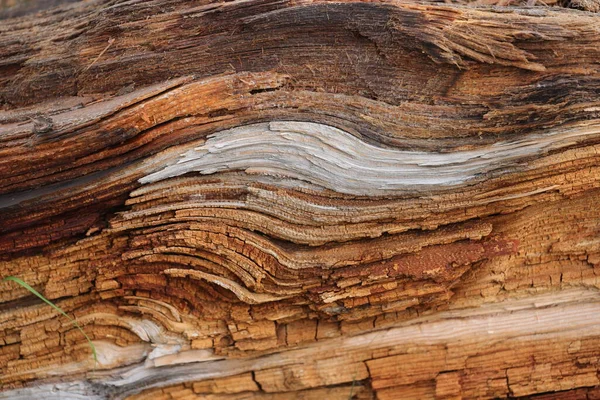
x=300, y=199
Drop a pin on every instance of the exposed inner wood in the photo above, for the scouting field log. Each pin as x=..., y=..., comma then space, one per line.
x=276, y=199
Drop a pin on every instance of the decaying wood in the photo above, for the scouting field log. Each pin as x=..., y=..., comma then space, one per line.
x=300, y=199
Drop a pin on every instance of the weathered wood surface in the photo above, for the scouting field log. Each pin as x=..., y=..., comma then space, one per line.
x=300, y=199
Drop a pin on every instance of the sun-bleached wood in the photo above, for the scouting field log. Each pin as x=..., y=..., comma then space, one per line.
x=300, y=199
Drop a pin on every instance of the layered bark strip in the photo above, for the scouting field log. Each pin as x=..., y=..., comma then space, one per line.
x=281, y=199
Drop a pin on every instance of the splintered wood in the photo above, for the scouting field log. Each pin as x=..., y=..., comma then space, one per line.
x=300, y=199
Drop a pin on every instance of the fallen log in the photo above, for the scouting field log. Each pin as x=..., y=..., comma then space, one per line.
x=300, y=199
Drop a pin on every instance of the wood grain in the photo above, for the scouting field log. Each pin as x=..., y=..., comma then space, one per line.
x=300, y=199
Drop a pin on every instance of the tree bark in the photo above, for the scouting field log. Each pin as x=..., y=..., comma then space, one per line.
x=300, y=199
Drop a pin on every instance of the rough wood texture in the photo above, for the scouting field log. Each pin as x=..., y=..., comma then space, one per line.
x=300, y=199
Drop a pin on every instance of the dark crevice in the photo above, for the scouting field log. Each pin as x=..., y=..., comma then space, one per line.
x=256, y=381
x=263, y=90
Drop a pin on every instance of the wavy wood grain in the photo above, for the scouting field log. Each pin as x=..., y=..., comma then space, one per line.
x=300, y=199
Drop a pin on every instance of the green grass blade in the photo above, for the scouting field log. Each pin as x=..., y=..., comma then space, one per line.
x=352, y=387
x=57, y=308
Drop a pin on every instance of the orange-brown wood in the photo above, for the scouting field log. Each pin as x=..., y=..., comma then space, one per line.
x=300, y=199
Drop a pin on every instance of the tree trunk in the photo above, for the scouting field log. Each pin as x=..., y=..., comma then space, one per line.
x=281, y=199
